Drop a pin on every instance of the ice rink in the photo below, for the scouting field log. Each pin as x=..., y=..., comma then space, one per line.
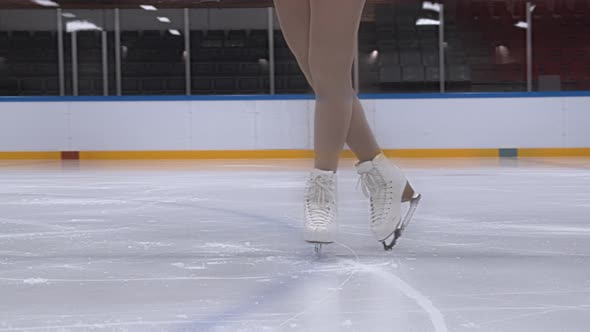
x=496, y=245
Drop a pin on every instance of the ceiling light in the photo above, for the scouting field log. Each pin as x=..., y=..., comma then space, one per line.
x=148, y=7
x=427, y=21
x=174, y=32
x=68, y=15
x=81, y=26
x=373, y=56
x=163, y=19
x=46, y=3
x=427, y=5
x=522, y=25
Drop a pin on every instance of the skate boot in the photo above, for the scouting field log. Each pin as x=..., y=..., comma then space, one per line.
x=320, y=209
x=387, y=188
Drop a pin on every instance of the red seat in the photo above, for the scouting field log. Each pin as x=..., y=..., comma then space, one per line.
x=510, y=72
x=519, y=10
x=480, y=11
x=580, y=6
x=561, y=10
x=541, y=11
x=500, y=9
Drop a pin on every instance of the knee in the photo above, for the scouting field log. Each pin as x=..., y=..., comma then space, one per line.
x=332, y=77
x=333, y=94
x=330, y=85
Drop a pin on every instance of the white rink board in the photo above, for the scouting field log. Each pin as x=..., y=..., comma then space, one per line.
x=34, y=126
x=577, y=122
x=117, y=126
x=551, y=122
x=223, y=126
x=470, y=123
x=284, y=124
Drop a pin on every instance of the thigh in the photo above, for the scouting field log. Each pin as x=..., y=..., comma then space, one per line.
x=294, y=17
x=333, y=32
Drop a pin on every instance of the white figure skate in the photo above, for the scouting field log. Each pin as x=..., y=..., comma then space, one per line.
x=384, y=184
x=320, y=209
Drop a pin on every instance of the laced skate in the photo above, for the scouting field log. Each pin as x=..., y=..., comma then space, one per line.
x=387, y=188
x=320, y=209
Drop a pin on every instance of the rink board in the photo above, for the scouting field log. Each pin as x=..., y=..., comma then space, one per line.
x=454, y=125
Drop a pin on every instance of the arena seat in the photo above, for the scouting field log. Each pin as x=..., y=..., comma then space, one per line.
x=410, y=57
x=203, y=68
x=249, y=84
x=236, y=38
x=32, y=85
x=389, y=57
x=152, y=85
x=234, y=54
x=224, y=84
x=390, y=73
x=249, y=69
x=431, y=74
x=412, y=73
x=209, y=54
x=459, y=73
x=86, y=87
x=52, y=86
x=227, y=69
x=201, y=85
x=130, y=85
x=213, y=39
x=175, y=86
x=430, y=59
x=297, y=83
x=258, y=38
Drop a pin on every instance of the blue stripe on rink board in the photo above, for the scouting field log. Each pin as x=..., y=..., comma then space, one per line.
x=297, y=97
x=509, y=153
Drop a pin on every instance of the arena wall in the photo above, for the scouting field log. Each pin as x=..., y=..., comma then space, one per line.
x=413, y=125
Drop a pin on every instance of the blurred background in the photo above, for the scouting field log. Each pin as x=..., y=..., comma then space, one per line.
x=184, y=47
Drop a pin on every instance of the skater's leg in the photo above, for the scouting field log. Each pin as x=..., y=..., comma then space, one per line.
x=295, y=18
x=333, y=29
x=360, y=138
x=320, y=208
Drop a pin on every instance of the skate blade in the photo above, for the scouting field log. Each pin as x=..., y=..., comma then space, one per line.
x=402, y=225
x=318, y=246
x=410, y=214
x=318, y=242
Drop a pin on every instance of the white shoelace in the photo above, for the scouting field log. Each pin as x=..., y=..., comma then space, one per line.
x=377, y=190
x=319, y=199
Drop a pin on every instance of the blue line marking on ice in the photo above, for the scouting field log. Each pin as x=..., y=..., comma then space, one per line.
x=268, y=293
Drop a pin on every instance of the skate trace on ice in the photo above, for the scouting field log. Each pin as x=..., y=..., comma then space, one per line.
x=196, y=248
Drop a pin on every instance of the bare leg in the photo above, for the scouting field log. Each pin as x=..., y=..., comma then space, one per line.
x=333, y=29
x=360, y=137
x=295, y=18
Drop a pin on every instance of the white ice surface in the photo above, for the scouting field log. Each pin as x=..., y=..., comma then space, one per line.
x=495, y=246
